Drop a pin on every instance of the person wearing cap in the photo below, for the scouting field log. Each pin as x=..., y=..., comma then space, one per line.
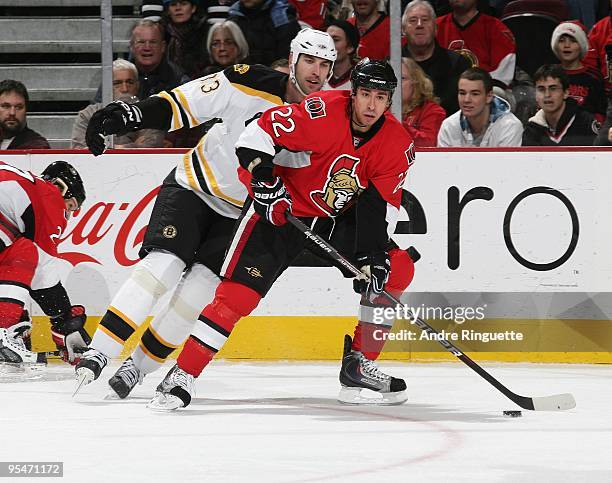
x=346, y=38
x=586, y=86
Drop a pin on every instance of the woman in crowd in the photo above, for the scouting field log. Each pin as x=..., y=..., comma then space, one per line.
x=226, y=46
x=422, y=116
x=185, y=33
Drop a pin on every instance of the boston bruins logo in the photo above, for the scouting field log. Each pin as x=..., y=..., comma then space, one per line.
x=241, y=68
x=169, y=231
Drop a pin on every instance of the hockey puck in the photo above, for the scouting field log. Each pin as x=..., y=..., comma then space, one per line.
x=513, y=414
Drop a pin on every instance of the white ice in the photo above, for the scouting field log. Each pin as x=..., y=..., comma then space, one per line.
x=280, y=422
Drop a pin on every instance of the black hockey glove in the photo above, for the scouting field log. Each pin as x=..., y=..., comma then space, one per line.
x=116, y=118
x=271, y=200
x=375, y=270
x=68, y=333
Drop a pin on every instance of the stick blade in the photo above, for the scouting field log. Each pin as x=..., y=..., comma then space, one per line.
x=557, y=402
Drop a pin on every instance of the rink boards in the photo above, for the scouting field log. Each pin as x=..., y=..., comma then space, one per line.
x=521, y=235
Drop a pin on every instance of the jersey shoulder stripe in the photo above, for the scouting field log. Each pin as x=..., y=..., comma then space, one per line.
x=258, y=80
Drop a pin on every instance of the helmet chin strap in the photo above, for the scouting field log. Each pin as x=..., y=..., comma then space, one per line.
x=296, y=83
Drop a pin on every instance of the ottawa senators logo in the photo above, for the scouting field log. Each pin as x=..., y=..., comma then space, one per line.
x=341, y=186
x=460, y=47
x=315, y=107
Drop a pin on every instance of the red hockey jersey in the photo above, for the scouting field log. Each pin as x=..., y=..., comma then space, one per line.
x=30, y=207
x=487, y=38
x=312, y=12
x=374, y=43
x=600, y=36
x=321, y=167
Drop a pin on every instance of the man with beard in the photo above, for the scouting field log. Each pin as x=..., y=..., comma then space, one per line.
x=14, y=132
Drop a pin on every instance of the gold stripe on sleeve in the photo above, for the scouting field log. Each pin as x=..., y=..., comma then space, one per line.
x=177, y=123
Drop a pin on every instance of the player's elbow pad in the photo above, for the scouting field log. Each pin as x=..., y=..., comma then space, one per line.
x=259, y=164
x=156, y=113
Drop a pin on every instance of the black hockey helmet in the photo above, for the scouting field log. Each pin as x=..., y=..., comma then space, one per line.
x=67, y=179
x=373, y=74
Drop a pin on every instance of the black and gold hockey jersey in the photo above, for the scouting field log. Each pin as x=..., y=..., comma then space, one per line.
x=235, y=96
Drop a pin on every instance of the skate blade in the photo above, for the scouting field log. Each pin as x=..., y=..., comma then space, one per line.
x=361, y=396
x=23, y=371
x=112, y=396
x=165, y=403
x=84, y=376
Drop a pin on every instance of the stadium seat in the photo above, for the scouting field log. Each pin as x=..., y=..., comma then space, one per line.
x=532, y=23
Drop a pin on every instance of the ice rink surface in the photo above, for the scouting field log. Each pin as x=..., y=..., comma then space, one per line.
x=280, y=422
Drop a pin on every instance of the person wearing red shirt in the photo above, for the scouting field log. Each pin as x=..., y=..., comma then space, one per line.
x=586, y=86
x=600, y=37
x=422, y=116
x=349, y=153
x=481, y=36
x=311, y=12
x=33, y=214
x=373, y=26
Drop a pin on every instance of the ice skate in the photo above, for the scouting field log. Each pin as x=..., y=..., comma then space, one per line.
x=174, y=392
x=124, y=380
x=15, y=357
x=364, y=383
x=89, y=368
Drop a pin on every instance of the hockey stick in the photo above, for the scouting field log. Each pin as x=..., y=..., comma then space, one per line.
x=556, y=402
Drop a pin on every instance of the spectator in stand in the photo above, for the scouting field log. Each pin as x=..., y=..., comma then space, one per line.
x=346, y=39
x=226, y=46
x=155, y=73
x=152, y=10
x=422, y=116
x=268, y=26
x=588, y=11
x=483, y=119
x=281, y=65
x=586, y=86
x=481, y=36
x=441, y=65
x=600, y=36
x=604, y=137
x=560, y=120
x=373, y=27
x=312, y=13
x=125, y=88
x=14, y=130
x=217, y=10
x=185, y=32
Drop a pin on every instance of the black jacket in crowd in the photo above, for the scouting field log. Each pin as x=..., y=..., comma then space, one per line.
x=268, y=29
x=28, y=139
x=576, y=127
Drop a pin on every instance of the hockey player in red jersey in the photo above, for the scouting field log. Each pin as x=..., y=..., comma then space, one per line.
x=355, y=158
x=33, y=214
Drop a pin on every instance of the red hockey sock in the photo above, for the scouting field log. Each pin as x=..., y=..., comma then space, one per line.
x=10, y=313
x=194, y=357
x=232, y=302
